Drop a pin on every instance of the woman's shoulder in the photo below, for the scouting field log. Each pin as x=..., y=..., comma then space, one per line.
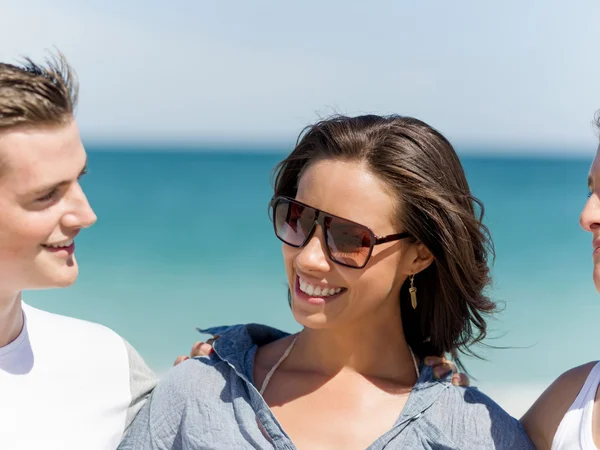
x=183, y=380
x=477, y=421
x=543, y=418
x=233, y=351
x=186, y=398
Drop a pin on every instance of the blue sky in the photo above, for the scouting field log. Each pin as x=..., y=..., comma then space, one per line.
x=502, y=76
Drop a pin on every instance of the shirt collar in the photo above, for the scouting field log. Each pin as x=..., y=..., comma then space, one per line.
x=236, y=344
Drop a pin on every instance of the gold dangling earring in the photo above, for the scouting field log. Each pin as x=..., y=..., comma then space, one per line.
x=413, y=292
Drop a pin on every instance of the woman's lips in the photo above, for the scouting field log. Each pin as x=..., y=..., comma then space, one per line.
x=315, y=299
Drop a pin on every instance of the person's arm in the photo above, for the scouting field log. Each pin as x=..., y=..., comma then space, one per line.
x=141, y=383
x=543, y=418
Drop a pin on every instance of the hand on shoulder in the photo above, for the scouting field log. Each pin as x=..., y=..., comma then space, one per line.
x=543, y=418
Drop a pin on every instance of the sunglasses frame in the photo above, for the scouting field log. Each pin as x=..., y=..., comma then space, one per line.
x=320, y=217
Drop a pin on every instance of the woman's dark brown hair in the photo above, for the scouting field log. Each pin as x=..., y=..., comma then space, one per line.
x=422, y=169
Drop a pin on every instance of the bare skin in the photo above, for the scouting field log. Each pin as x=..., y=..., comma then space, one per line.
x=329, y=402
x=11, y=317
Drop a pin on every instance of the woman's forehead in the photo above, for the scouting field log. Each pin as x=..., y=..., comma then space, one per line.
x=348, y=190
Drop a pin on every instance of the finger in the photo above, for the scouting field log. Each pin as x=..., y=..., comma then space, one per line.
x=201, y=349
x=180, y=359
x=441, y=370
x=449, y=366
x=461, y=379
x=434, y=360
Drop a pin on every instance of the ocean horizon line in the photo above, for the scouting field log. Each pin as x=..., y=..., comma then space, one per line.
x=271, y=149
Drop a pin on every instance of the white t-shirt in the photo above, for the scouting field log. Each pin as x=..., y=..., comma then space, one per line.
x=68, y=384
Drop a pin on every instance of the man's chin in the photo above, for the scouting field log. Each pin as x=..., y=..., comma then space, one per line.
x=596, y=276
x=62, y=278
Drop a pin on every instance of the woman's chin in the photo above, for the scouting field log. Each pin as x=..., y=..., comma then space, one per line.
x=314, y=320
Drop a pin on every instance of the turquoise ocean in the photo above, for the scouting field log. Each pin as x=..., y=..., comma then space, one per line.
x=183, y=240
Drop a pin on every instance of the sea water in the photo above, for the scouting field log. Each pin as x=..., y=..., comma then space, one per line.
x=183, y=240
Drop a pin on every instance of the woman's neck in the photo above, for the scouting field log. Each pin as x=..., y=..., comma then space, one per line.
x=371, y=348
x=11, y=318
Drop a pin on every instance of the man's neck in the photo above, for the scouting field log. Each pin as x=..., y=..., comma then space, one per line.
x=11, y=318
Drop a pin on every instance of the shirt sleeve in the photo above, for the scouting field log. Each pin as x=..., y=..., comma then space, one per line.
x=483, y=417
x=158, y=426
x=141, y=383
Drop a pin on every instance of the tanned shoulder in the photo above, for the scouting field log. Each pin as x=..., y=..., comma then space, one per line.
x=542, y=420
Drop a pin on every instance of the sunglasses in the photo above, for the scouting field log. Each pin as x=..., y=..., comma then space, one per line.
x=348, y=243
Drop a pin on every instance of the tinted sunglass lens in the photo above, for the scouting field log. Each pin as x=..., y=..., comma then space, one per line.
x=292, y=222
x=349, y=243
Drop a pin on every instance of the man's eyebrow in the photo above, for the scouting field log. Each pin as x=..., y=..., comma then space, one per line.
x=59, y=184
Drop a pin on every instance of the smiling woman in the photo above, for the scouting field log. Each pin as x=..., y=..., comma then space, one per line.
x=386, y=261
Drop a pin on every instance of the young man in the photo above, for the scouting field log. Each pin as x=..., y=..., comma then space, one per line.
x=64, y=383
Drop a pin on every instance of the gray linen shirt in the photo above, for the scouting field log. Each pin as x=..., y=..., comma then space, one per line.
x=212, y=403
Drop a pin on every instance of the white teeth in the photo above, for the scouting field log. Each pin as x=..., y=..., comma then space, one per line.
x=309, y=289
x=61, y=245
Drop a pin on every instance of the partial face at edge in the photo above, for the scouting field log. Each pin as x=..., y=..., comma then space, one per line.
x=42, y=206
x=590, y=216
